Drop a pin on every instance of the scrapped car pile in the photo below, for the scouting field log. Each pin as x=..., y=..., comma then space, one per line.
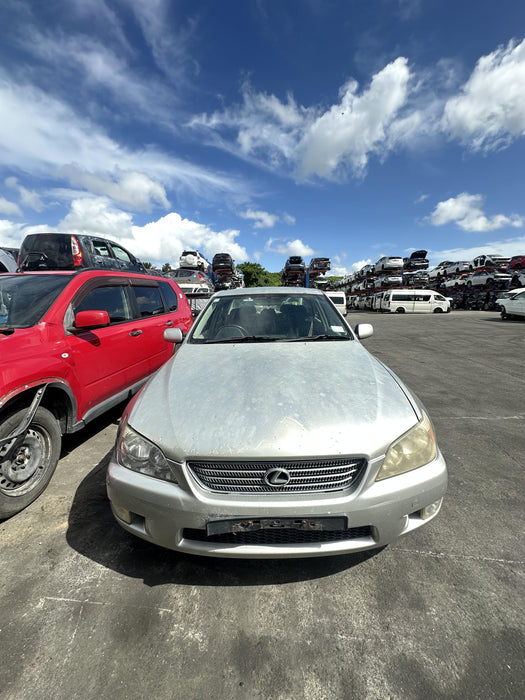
x=296, y=273
x=475, y=284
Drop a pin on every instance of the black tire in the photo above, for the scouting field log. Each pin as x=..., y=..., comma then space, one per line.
x=400, y=310
x=504, y=315
x=24, y=478
x=437, y=310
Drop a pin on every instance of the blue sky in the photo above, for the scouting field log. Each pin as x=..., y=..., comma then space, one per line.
x=266, y=128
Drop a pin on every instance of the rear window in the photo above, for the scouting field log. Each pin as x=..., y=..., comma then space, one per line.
x=45, y=251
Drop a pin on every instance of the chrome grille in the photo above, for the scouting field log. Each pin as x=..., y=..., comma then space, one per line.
x=305, y=476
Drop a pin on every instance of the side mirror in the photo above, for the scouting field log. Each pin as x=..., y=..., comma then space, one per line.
x=91, y=319
x=364, y=330
x=173, y=335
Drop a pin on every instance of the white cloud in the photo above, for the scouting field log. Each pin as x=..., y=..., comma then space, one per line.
x=262, y=219
x=132, y=189
x=96, y=215
x=309, y=140
x=490, y=111
x=9, y=208
x=289, y=219
x=466, y=211
x=296, y=247
x=357, y=126
x=28, y=198
x=45, y=137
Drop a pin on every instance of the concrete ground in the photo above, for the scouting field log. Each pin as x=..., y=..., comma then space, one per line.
x=88, y=611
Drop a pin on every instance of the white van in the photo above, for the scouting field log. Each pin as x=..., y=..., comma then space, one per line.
x=414, y=301
x=377, y=301
x=338, y=299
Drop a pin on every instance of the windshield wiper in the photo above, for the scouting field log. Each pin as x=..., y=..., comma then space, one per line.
x=323, y=336
x=246, y=339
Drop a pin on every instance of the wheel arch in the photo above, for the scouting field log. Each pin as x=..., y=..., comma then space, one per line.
x=58, y=399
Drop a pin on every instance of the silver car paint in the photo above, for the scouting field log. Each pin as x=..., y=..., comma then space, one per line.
x=274, y=400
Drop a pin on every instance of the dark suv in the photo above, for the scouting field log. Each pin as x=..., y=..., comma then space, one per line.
x=223, y=263
x=67, y=251
x=73, y=345
x=294, y=262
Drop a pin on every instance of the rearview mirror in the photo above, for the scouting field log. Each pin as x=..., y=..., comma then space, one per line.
x=364, y=330
x=91, y=319
x=173, y=335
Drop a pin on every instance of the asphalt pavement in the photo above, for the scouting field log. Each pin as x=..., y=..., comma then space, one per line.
x=88, y=611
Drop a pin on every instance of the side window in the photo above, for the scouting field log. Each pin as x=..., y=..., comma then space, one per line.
x=170, y=296
x=121, y=254
x=149, y=301
x=422, y=297
x=102, y=248
x=112, y=299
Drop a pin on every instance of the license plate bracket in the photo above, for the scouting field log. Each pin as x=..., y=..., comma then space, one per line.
x=310, y=523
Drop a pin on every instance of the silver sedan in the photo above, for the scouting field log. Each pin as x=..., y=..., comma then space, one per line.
x=301, y=443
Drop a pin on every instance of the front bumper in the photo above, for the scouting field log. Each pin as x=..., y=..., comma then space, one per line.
x=377, y=513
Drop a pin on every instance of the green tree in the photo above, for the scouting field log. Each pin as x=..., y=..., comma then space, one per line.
x=166, y=267
x=256, y=275
x=147, y=265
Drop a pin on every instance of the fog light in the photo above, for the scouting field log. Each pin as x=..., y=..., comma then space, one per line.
x=429, y=511
x=122, y=514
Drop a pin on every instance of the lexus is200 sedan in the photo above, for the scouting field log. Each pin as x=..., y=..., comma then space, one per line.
x=302, y=444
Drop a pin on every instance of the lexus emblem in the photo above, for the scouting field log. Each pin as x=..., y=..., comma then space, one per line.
x=277, y=477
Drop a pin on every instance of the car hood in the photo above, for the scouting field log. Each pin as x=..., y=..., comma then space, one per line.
x=273, y=400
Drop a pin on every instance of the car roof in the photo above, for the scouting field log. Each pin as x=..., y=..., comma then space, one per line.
x=255, y=291
x=91, y=271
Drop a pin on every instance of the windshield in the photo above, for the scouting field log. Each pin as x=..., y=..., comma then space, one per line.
x=24, y=299
x=269, y=317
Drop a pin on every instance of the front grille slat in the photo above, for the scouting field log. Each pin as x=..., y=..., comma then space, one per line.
x=304, y=475
x=280, y=536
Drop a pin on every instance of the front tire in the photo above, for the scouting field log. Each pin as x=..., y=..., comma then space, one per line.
x=28, y=473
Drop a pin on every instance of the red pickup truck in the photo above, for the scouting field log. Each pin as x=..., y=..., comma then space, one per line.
x=73, y=345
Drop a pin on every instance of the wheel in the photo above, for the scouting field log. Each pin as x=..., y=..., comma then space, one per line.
x=26, y=476
x=400, y=310
x=503, y=314
x=437, y=310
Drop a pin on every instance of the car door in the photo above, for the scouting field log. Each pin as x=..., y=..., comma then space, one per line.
x=517, y=305
x=124, y=260
x=157, y=310
x=110, y=359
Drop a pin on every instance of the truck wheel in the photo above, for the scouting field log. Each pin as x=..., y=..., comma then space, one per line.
x=400, y=310
x=24, y=478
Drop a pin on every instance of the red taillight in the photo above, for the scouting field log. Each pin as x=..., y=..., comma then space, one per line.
x=77, y=253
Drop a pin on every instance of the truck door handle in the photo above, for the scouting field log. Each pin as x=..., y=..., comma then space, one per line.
x=137, y=332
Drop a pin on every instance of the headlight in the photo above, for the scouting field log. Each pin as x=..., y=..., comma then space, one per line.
x=414, y=449
x=141, y=455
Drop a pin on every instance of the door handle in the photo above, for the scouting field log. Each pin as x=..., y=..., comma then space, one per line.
x=169, y=323
x=134, y=333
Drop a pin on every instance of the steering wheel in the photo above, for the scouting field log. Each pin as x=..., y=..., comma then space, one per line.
x=231, y=331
